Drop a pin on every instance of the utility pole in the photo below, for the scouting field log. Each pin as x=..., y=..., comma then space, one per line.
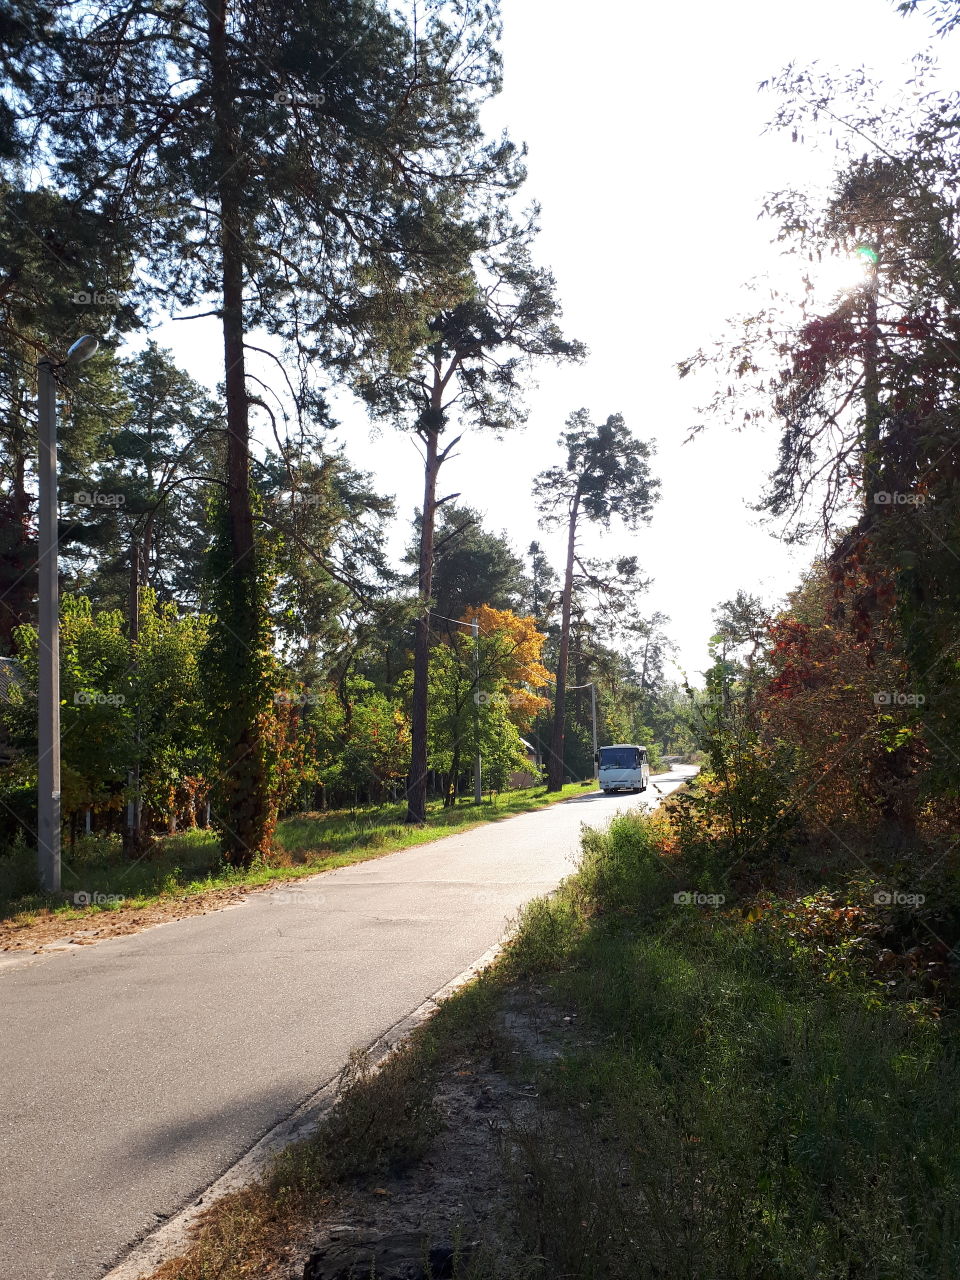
x=596, y=754
x=477, y=775
x=48, y=656
x=48, y=688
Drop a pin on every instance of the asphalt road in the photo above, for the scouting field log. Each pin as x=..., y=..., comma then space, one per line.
x=136, y=1071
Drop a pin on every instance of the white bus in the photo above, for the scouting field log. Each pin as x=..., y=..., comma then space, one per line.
x=623, y=767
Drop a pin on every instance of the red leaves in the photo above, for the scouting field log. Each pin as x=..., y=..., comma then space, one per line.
x=791, y=651
x=824, y=341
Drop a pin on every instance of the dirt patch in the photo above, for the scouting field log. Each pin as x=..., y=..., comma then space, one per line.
x=50, y=932
x=451, y=1212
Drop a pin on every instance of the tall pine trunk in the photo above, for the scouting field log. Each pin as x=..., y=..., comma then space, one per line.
x=245, y=808
x=417, y=781
x=555, y=772
x=872, y=410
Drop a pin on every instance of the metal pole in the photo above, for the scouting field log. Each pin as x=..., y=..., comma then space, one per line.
x=48, y=692
x=477, y=775
x=593, y=704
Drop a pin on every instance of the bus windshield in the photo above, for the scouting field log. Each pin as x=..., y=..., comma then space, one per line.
x=619, y=758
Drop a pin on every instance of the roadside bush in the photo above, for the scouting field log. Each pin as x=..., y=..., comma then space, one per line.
x=19, y=878
x=18, y=813
x=624, y=867
x=549, y=929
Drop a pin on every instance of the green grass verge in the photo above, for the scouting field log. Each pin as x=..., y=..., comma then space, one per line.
x=190, y=863
x=733, y=1111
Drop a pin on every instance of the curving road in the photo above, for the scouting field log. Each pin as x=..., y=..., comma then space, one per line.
x=135, y=1072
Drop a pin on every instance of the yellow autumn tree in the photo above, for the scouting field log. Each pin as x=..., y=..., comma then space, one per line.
x=510, y=665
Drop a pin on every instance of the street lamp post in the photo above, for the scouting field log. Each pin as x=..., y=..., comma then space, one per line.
x=477, y=764
x=48, y=657
x=596, y=753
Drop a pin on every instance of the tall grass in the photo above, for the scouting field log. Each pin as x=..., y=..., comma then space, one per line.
x=731, y=1112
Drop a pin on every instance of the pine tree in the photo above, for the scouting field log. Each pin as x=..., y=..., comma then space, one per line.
x=605, y=475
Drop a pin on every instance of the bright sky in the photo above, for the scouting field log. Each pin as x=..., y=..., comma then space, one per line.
x=647, y=153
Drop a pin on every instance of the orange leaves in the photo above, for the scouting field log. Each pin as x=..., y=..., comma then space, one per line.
x=525, y=643
x=511, y=649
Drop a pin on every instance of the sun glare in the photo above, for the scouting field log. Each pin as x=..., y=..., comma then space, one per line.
x=828, y=279
x=842, y=273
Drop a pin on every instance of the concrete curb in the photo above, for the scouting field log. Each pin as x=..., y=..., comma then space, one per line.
x=174, y=1236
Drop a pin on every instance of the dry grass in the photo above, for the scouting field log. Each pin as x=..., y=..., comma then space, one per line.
x=384, y=1119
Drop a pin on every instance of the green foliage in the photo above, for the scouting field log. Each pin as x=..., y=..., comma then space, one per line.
x=242, y=679
x=472, y=565
x=64, y=265
x=172, y=728
x=324, y=524
x=544, y=583
x=122, y=707
x=98, y=697
x=362, y=741
x=606, y=469
x=739, y=810
x=152, y=461
x=464, y=718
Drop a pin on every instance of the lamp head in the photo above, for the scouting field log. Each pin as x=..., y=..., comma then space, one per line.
x=82, y=349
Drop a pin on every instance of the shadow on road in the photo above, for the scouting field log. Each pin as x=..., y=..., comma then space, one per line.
x=592, y=797
x=586, y=798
